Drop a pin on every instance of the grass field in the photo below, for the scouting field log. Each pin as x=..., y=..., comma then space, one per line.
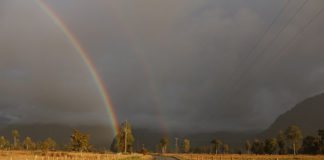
x=37, y=155
x=245, y=157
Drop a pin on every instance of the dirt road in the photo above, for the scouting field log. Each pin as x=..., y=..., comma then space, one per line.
x=163, y=158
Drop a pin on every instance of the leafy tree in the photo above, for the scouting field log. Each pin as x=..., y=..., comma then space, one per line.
x=216, y=144
x=4, y=144
x=321, y=134
x=45, y=146
x=51, y=143
x=294, y=135
x=270, y=145
x=282, y=143
x=312, y=145
x=38, y=145
x=225, y=148
x=15, y=135
x=123, y=137
x=144, y=151
x=115, y=147
x=185, y=146
x=28, y=143
x=258, y=147
x=164, y=142
x=157, y=148
x=247, y=146
x=79, y=142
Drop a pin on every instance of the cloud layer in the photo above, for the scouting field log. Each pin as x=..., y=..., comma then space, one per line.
x=186, y=63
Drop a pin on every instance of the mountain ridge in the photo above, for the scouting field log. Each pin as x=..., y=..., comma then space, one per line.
x=307, y=115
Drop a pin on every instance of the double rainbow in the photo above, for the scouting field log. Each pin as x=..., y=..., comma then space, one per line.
x=83, y=54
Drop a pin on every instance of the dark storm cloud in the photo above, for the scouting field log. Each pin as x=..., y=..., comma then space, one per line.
x=186, y=56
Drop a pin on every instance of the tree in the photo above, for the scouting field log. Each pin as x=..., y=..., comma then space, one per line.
x=15, y=134
x=258, y=147
x=282, y=143
x=321, y=134
x=124, y=139
x=28, y=143
x=79, y=142
x=270, y=145
x=45, y=146
x=294, y=135
x=312, y=145
x=114, y=147
x=51, y=143
x=38, y=145
x=247, y=146
x=216, y=144
x=144, y=151
x=4, y=144
x=157, y=148
x=225, y=148
x=185, y=146
x=164, y=142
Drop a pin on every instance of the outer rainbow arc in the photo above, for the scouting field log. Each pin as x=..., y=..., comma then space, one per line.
x=78, y=47
x=132, y=42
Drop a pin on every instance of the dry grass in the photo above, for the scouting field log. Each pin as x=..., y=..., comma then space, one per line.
x=38, y=155
x=244, y=157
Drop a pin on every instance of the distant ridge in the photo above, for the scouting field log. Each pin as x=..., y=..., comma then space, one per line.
x=308, y=115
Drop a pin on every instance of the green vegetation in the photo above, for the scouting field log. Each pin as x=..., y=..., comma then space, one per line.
x=248, y=146
x=79, y=142
x=185, y=146
x=225, y=148
x=15, y=135
x=288, y=142
x=270, y=146
x=164, y=142
x=294, y=135
x=123, y=141
x=282, y=143
x=217, y=143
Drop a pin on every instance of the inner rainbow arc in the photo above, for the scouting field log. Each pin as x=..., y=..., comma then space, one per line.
x=85, y=58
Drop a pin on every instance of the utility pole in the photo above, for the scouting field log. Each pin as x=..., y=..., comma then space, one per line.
x=176, y=144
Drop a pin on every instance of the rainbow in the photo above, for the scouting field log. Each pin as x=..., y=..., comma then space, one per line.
x=80, y=50
x=149, y=78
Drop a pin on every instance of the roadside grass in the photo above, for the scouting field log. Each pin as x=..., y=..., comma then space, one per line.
x=244, y=157
x=38, y=155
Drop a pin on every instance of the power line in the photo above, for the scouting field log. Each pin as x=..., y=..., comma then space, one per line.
x=267, y=30
x=260, y=39
x=241, y=76
x=301, y=31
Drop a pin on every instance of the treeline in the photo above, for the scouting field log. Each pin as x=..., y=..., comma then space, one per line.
x=78, y=142
x=290, y=141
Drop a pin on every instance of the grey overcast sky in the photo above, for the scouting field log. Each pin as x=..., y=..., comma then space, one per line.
x=205, y=64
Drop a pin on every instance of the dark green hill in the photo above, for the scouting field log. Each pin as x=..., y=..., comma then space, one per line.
x=308, y=115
